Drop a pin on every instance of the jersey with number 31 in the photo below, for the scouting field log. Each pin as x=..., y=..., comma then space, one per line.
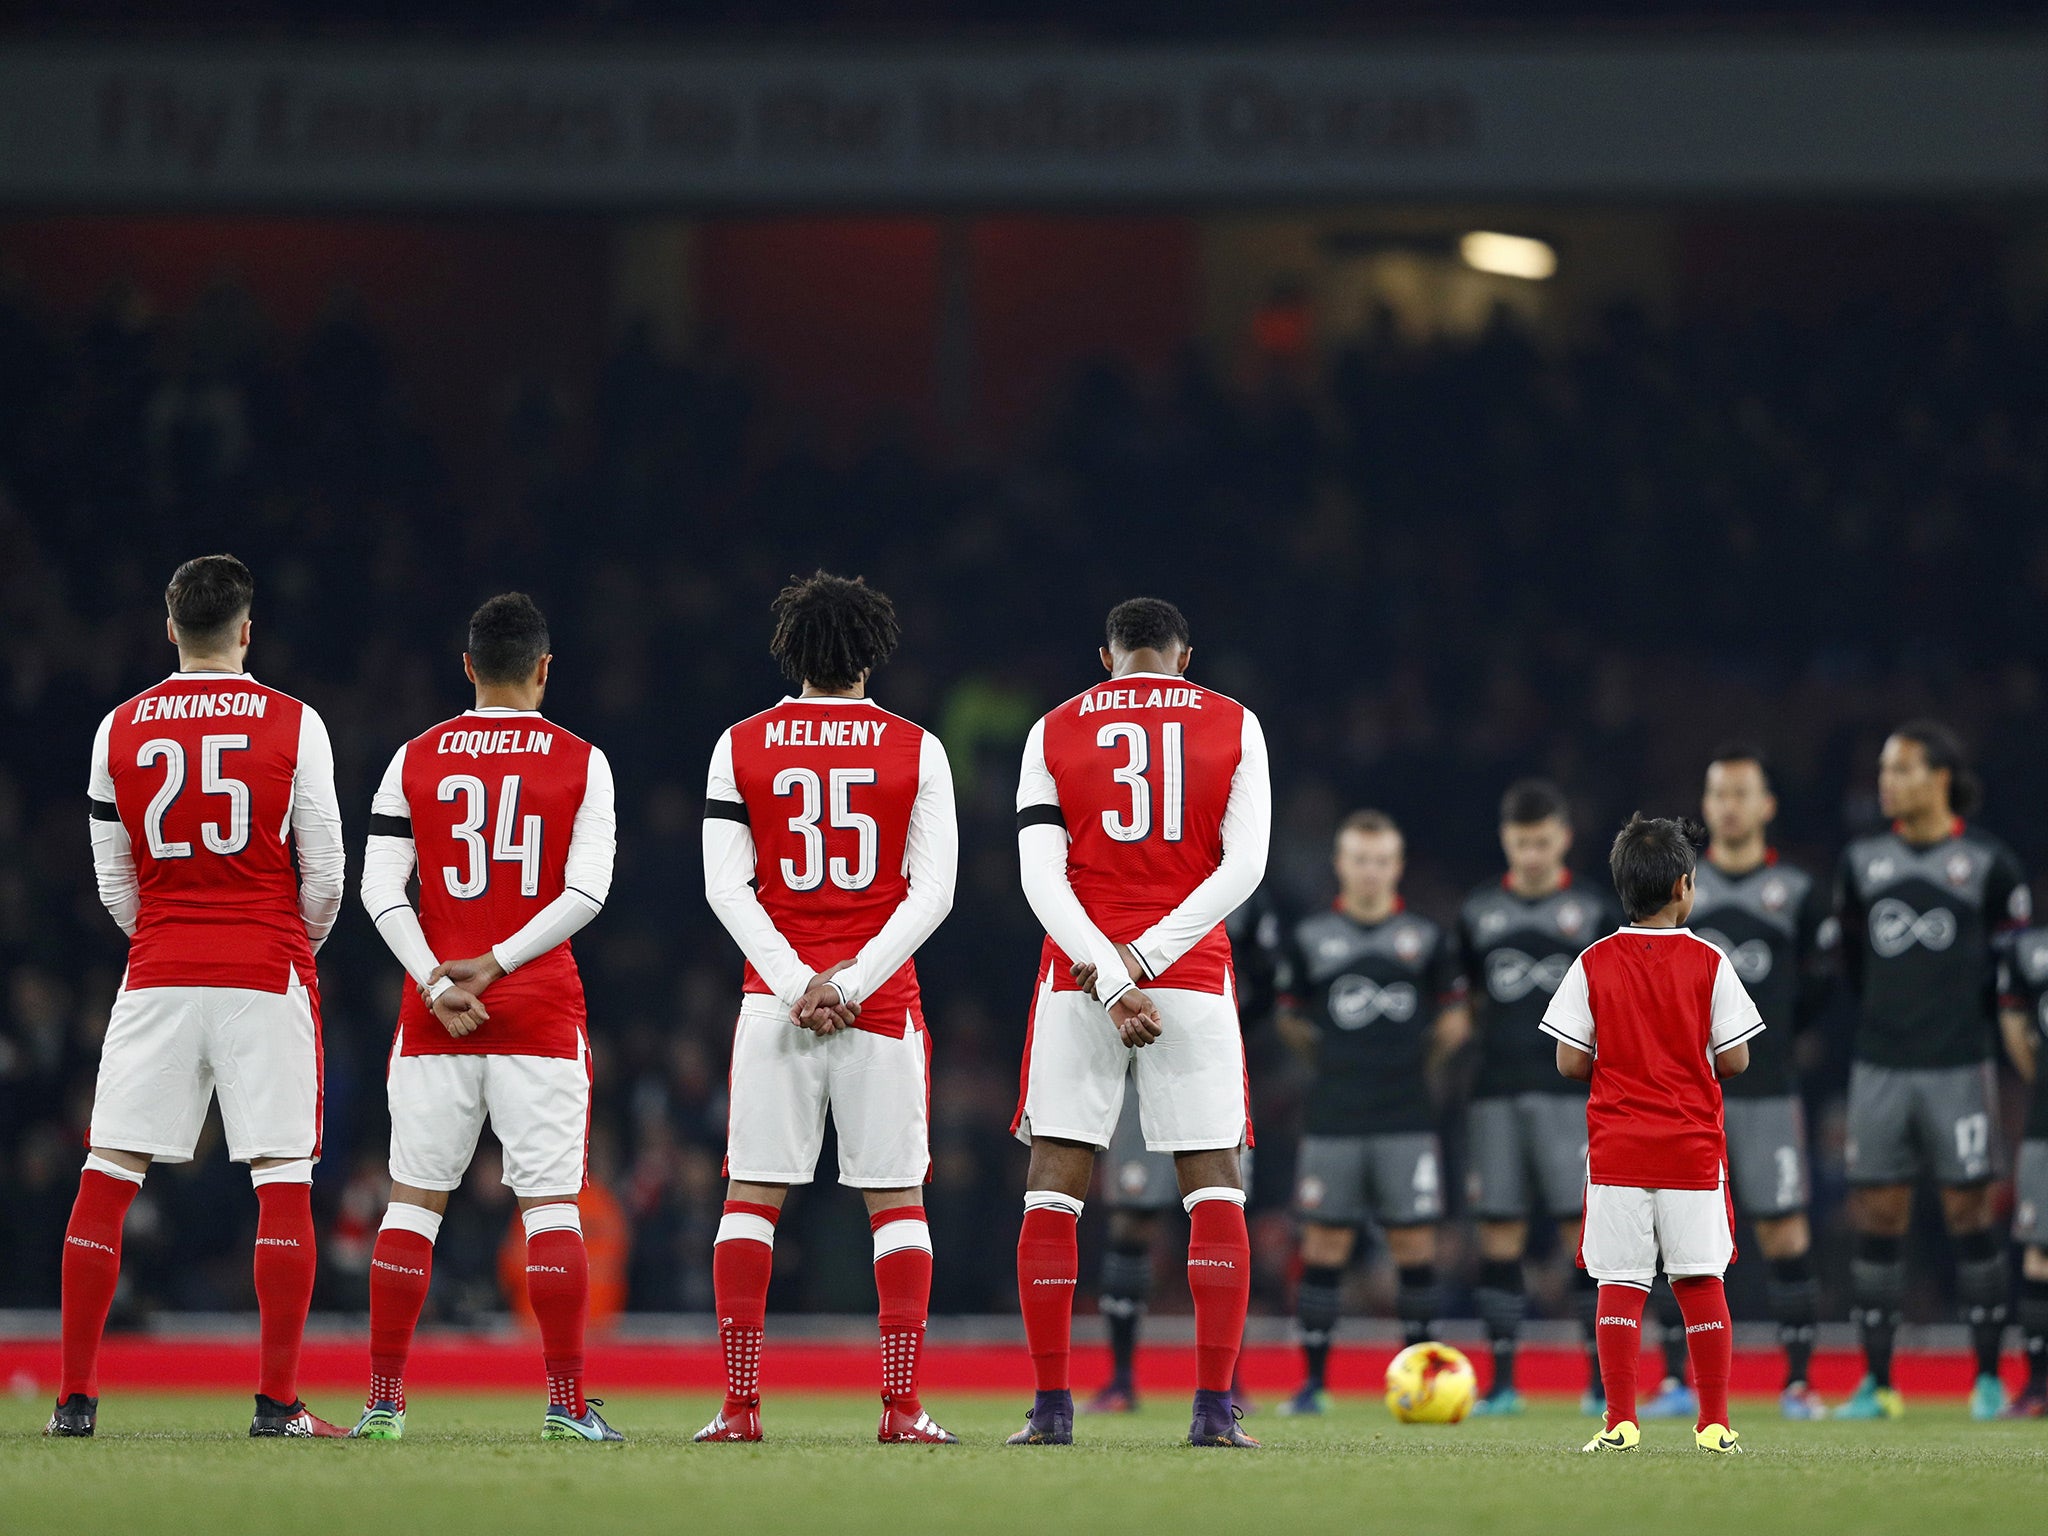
x=1139, y=769
x=492, y=797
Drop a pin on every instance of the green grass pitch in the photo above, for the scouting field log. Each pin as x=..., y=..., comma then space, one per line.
x=475, y=1464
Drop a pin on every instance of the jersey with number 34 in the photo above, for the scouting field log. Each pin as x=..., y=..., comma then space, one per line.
x=492, y=797
x=1140, y=770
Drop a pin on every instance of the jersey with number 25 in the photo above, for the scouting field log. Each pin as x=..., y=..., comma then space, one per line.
x=1139, y=769
x=492, y=798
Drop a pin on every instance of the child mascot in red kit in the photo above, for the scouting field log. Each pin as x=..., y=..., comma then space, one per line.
x=1653, y=1017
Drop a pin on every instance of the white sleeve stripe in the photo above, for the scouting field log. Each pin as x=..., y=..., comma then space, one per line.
x=1553, y=1030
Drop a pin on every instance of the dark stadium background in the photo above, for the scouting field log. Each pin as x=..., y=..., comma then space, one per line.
x=1767, y=467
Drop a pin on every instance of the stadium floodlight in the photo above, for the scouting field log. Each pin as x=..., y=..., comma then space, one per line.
x=1486, y=250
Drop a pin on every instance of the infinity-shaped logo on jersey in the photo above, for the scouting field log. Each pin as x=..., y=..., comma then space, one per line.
x=1512, y=975
x=1751, y=959
x=1896, y=927
x=1355, y=1001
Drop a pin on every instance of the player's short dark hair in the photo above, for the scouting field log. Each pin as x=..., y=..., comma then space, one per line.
x=1529, y=801
x=1650, y=856
x=507, y=638
x=1943, y=748
x=208, y=597
x=1145, y=624
x=830, y=631
x=1368, y=821
x=1743, y=752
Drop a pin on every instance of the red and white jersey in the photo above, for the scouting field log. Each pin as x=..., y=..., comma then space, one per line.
x=829, y=835
x=1161, y=789
x=198, y=789
x=510, y=819
x=1654, y=1006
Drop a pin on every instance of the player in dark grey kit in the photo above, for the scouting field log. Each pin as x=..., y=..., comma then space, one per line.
x=1774, y=921
x=1141, y=1189
x=1371, y=992
x=2025, y=1031
x=1527, y=1128
x=1927, y=906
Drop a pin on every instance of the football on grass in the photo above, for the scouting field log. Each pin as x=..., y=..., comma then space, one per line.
x=1430, y=1383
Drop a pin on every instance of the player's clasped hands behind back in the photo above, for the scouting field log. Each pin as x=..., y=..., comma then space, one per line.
x=1135, y=1015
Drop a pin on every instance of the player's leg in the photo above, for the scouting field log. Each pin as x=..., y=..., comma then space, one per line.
x=1767, y=1167
x=879, y=1087
x=775, y=1130
x=1882, y=1162
x=1191, y=1101
x=1554, y=1131
x=1500, y=1211
x=1330, y=1199
x=1959, y=1126
x=1072, y=1092
x=1696, y=1234
x=1618, y=1249
x=2030, y=1230
x=264, y=1052
x=437, y=1112
x=1139, y=1187
x=1407, y=1194
x=539, y=1107
x=149, y=1103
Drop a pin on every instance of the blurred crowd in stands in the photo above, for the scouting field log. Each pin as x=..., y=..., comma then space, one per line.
x=1431, y=567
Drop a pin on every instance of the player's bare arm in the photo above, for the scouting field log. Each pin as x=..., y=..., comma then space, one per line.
x=2018, y=1032
x=1578, y=1065
x=1734, y=1061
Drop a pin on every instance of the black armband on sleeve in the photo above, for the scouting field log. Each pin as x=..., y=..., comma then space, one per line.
x=726, y=810
x=390, y=826
x=1041, y=816
x=102, y=810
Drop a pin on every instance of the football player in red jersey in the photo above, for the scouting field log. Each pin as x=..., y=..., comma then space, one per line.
x=1143, y=817
x=829, y=854
x=509, y=819
x=201, y=789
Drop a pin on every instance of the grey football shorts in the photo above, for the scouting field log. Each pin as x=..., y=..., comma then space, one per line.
x=1767, y=1156
x=1138, y=1179
x=1397, y=1178
x=2030, y=1197
x=1528, y=1157
x=1906, y=1121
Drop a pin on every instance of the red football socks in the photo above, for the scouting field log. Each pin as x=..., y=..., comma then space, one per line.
x=1618, y=1334
x=903, y=1285
x=1709, y=1339
x=1220, y=1279
x=1048, y=1263
x=558, y=1289
x=742, y=1260
x=401, y=1270
x=92, y=1271
x=285, y=1265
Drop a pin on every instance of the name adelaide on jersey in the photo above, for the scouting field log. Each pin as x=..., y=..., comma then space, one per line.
x=1170, y=697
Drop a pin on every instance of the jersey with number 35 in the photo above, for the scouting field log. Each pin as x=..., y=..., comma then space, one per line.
x=826, y=787
x=491, y=799
x=1140, y=770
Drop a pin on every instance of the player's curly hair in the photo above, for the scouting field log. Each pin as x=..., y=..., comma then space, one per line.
x=830, y=631
x=1650, y=856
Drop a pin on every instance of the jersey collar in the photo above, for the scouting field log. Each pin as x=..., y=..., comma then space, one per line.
x=823, y=698
x=209, y=677
x=505, y=711
x=1955, y=829
x=1634, y=928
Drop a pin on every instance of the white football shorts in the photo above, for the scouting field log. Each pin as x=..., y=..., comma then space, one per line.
x=169, y=1050
x=1628, y=1229
x=785, y=1078
x=1190, y=1081
x=538, y=1106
